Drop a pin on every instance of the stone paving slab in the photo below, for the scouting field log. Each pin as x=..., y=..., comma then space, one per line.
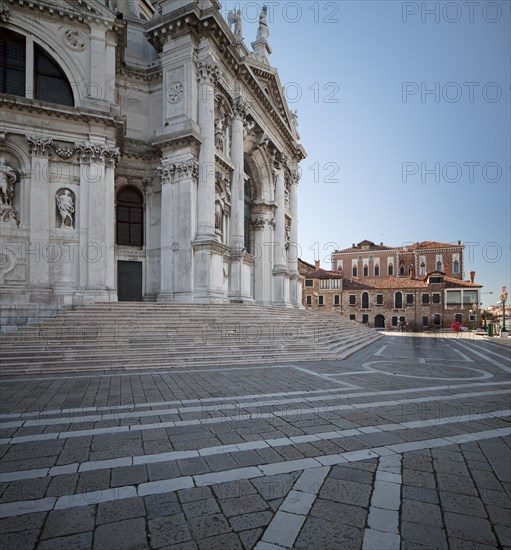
x=403, y=447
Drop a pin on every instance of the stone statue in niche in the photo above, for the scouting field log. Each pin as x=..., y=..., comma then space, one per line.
x=8, y=177
x=66, y=207
x=220, y=135
x=219, y=211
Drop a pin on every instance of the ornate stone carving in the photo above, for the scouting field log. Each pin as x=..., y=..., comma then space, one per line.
x=66, y=207
x=91, y=152
x=64, y=152
x=75, y=40
x=240, y=107
x=167, y=172
x=288, y=233
x=188, y=169
x=248, y=127
x=272, y=224
x=39, y=145
x=176, y=91
x=208, y=72
x=4, y=11
x=258, y=223
x=220, y=132
x=234, y=18
x=8, y=177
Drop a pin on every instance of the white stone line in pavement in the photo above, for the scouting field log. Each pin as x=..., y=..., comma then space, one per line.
x=466, y=358
x=10, y=509
x=499, y=365
x=502, y=356
x=240, y=417
x=326, y=377
x=380, y=351
x=292, y=513
x=484, y=375
x=229, y=406
x=251, y=445
x=383, y=518
x=170, y=371
x=179, y=403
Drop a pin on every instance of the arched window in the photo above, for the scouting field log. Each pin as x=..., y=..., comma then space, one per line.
x=12, y=59
x=439, y=266
x=50, y=82
x=354, y=271
x=130, y=217
x=398, y=300
x=422, y=269
x=376, y=270
x=365, y=300
x=391, y=269
x=455, y=266
x=402, y=270
x=366, y=271
x=248, y=206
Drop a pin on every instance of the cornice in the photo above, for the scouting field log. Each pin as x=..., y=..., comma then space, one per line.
x=84, y=14
x=80, y=114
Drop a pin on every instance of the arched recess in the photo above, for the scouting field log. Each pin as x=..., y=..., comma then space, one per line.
x=398, y=300
x=365, y=300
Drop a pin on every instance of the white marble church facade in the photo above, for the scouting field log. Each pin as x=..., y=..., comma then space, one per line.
x=143, y=156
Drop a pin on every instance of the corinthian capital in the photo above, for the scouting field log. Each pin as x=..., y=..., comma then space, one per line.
x=240, y=107
x=39, y=145
x=166, y=172
x=92, y=152
x=188, y=169
x=208, y=71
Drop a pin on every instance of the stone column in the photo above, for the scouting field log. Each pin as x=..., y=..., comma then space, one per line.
x=237, y=237
x=166, y=294
x=293, y=250
x=109, y=194
x=38, y=252
x=207, y=73
x=279, y=254
x=97, y=220
x=186, y=182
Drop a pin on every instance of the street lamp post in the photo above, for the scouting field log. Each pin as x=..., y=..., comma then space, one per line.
x=503, y=298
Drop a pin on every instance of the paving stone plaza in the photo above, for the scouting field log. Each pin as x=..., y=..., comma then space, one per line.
x=404, y=445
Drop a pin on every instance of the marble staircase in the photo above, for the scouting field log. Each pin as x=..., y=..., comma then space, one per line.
x=134, y=336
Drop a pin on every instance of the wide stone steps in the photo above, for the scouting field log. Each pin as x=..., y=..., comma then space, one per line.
x=106, y=337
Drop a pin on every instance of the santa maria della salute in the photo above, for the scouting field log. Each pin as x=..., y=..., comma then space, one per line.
x=146, y=154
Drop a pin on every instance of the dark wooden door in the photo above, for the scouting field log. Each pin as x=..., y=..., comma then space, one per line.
x=129, y=281
x=379, y=321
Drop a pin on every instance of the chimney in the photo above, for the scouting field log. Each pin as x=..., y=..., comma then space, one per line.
x=353, y=245
x=316, y=263
x=459, y=243
x=472, y=275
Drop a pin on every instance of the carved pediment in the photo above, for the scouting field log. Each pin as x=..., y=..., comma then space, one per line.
x=270, y=84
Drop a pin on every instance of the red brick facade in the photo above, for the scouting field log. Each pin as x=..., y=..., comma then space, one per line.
x=389, y=300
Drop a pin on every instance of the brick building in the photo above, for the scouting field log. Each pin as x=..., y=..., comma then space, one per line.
x=367, y=259
x=378, y=296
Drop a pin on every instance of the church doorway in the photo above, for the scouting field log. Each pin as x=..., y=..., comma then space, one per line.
x=379, y=321
x=129, y=281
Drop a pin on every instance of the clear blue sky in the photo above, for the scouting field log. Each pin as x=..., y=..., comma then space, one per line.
x=359, y=73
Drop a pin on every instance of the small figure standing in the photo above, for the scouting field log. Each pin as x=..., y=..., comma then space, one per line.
x=66, y=208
